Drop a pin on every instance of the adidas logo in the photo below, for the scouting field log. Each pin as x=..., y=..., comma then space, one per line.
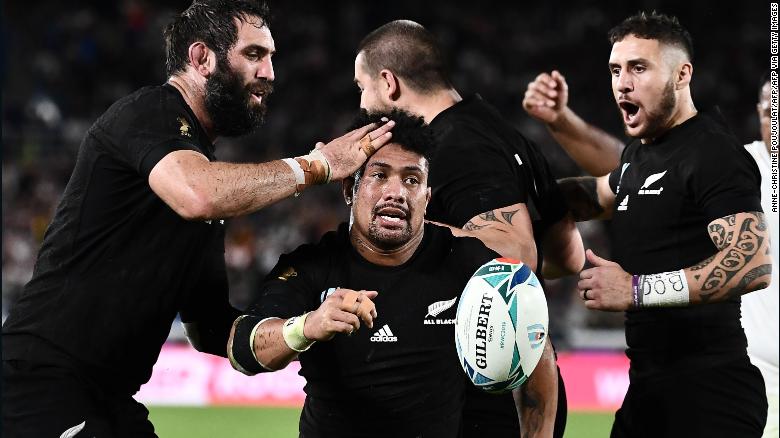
x=384, y=335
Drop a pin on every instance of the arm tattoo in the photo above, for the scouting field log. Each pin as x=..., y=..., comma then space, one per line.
x=533, y=412
x=488, y=216
x=508, y=215
x=738, y=246
x=471, y=226
x=581, y=197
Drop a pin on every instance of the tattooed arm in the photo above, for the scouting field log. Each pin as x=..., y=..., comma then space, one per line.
x=588, y=197
x=507, y=231
x=536, y=400
x=741, y=265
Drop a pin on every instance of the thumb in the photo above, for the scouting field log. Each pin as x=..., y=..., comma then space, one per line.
x=598, y=261
x=371, y=294
x=319, y=145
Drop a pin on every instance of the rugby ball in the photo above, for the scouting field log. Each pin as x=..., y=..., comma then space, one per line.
x=501, y=325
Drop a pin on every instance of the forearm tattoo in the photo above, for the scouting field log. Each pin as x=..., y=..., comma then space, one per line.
x=739, y=266
x=490, y=216
x=532, y=412
x=581, y=197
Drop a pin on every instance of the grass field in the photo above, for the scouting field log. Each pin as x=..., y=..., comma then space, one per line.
x=251, y=422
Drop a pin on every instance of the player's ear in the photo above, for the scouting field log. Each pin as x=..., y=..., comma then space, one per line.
x=684, y=73
x=347, y=189
x=390, y=85
x=427, y=197
x=202, y=59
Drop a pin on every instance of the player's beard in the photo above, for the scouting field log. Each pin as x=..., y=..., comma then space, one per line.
x=229, y=102
x=658, y=119
x=390, y=239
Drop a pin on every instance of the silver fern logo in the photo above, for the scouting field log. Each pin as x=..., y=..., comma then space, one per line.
x=437, y=309
x=73, y=431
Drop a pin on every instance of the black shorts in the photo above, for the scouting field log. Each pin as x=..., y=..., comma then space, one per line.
x=723, y=401
x=495, y=416
x=46, y=401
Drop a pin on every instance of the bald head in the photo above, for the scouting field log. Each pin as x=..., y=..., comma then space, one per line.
x=409, y=51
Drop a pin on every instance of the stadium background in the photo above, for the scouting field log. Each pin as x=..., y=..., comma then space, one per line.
x=64, y=63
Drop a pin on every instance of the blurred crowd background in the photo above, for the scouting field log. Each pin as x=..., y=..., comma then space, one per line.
x=64, y=63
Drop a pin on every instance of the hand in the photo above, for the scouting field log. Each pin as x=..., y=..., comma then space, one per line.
x=347, y=153
x=546, y=97
x=341, y=312
x=605, y=286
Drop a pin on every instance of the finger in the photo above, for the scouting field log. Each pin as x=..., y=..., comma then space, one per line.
x=587, y=273
x=367, y=312
x=561, y=80
x=593, y=305
x=544, y=90
x=347, y=318
x=319, y=145
x=542, y=77
x=598, y=261
x=585, y=284
x=341, y=327
x=380, y=131
x=349, y=301
x=362, y=131
x=369, y=293
x=378, y=142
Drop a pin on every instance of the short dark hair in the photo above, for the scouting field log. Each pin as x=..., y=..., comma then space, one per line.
x=654, y=26
x=408, y=50
x=210, y=21
x=410, y=131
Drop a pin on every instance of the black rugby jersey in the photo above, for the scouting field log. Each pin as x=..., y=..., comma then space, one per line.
x=667, y=193
x=116, y=263
x=483, y=163
x=401, y=378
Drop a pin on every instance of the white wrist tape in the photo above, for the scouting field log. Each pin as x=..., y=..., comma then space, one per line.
x=300, y=178
x=666, y=289
x=292, y=331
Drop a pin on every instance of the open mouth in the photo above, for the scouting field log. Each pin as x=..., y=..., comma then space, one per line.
x=258, y=96
x=630, y=111
x=391, y=215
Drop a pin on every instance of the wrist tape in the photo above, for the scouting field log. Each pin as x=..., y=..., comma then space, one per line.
x=292, y=331
x=241, y=351
x=309, y=169
x=666, y=289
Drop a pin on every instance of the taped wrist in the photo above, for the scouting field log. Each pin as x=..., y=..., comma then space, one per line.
x=309, y=169
x=241, y=351
x=666, y=289
x=292, y=331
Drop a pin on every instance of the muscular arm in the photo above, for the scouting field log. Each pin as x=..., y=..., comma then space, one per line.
x=588, y=197
x=741, y=265
x=197, y=188
x=507, y=231
x=546, y=99
x=536, y=400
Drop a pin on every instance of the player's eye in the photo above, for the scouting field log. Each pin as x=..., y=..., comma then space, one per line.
x=412, y=180
x=639, y=68
x=615, y=71
x=378, y=175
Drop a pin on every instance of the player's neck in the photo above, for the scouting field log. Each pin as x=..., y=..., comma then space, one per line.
x=195, y=100
x=385, y=257
x=430, y=105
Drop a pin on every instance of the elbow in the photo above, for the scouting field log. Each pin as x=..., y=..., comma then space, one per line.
x=761, y=273
x=195, y=205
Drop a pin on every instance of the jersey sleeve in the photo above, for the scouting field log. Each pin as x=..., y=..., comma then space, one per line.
x=723, y=178
x=142, y=133
x=291, y=286
x=469, y=179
